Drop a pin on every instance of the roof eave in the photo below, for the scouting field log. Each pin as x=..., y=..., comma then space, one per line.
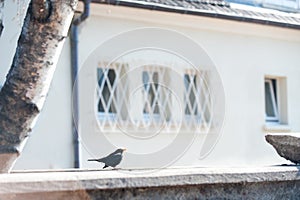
x=202, y=13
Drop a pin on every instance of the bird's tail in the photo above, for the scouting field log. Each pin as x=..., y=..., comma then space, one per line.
x=92, y=159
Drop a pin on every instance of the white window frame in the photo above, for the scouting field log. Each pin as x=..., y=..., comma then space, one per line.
x=273, y=119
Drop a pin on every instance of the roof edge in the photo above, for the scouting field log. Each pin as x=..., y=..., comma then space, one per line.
x=195, y=12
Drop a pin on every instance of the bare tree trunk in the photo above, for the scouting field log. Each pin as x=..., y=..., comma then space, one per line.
x=22, y=97
x=1, y=16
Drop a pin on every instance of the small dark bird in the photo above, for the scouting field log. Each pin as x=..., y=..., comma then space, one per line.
x=112, y=160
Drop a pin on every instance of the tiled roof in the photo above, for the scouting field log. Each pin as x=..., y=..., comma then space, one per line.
x=216, y=9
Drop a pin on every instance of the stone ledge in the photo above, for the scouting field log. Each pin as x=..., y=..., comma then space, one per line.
x=60, y=181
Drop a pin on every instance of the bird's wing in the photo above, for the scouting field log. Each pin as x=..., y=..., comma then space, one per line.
x=113, y=160
x=113, y=153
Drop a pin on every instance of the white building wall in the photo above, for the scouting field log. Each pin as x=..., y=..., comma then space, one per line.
x=243, y=54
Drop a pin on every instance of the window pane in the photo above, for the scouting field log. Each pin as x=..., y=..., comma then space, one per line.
x=150, y=81
x=268, y=100
x=274, y=90
x=190, y=98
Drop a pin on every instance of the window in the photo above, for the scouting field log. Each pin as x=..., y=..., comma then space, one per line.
x=156, y=95
x=197, y=101
x=271, y=100
x=276, y=114
x=112, y=93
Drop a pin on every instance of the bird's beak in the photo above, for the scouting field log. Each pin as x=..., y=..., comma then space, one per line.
x=124, y=149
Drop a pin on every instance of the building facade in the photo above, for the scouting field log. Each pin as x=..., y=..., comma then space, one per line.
x=160, y=106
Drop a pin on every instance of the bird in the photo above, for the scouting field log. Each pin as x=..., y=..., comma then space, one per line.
x=112, y=160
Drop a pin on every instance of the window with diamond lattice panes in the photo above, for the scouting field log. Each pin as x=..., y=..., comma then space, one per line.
x=156, y=95
x=197, y=102
x=112, y=93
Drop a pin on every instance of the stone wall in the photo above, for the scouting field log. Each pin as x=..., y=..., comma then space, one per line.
x=264, y=190
x=194, y=183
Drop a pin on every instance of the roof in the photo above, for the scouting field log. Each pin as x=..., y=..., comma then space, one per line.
x=215, y=9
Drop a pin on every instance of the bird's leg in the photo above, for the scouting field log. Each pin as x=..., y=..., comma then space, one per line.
x=105, y=166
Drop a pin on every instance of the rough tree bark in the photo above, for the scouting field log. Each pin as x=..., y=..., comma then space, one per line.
x=22, y=96
x=1, y=16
